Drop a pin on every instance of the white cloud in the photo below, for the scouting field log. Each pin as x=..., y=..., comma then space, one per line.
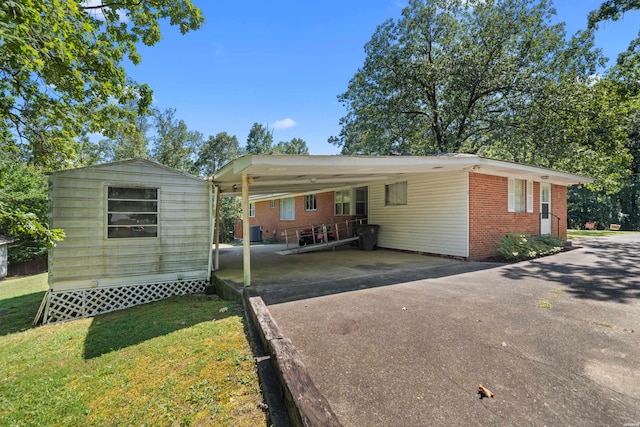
x=284, y=124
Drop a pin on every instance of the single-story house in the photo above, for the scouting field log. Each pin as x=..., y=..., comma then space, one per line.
x=457, y=205
x=137, y=231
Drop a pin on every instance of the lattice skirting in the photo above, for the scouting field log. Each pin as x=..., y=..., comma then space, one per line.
x=59, y=306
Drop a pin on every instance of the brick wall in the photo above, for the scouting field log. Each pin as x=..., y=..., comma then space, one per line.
x=489, y=219
x=269, y=218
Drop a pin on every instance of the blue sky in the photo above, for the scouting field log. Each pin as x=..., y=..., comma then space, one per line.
x=283, y=63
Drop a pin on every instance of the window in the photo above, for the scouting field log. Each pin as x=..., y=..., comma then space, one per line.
x=132, y=212
x=361, y=201
x=395, y=194
x=310, y=202
x=520, y=195
x=287, y=209
x=342, y=202
x=272, y=204
x=252, y=210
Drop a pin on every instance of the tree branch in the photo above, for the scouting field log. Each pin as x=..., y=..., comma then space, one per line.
x=117, y=5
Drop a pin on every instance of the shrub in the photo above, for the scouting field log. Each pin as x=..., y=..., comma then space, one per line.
x=520, y=246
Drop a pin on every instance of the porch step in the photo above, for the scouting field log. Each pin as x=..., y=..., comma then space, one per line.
x=317, y=246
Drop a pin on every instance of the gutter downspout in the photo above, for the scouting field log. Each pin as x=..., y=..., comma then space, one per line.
x=246, y=238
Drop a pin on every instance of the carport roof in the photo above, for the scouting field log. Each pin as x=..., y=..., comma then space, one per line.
x=272, y=175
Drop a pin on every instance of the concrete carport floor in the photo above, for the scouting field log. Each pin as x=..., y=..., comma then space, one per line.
x=555, y=339
x=279, y=278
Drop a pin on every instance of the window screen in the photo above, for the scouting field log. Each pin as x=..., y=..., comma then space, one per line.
x=287, y=209
x=310, y=202
x=342, y=202
x=395, y=194
x=132, y=212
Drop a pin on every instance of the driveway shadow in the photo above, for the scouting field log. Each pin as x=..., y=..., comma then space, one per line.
x=601, y=270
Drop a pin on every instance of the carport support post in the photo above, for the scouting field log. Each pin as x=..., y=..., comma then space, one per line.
x=246, y=239
x=216, y=238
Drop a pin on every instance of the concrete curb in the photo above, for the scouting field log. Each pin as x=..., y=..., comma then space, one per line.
x=305, y=404
x=291, y=395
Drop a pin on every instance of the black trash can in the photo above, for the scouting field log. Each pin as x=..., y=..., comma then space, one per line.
x=255, y=233
x=368, y=234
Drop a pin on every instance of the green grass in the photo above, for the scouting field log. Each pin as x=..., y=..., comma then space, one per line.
x=574, y=234
x=180, y=361
x=19, y=302
x=544, y=304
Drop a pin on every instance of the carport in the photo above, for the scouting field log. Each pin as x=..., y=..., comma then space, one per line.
x=260, y=176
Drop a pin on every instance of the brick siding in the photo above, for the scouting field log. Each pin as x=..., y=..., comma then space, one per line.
x=273, y=228
x=489, y=219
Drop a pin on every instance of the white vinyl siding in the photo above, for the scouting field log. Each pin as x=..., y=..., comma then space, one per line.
x=434, y=220
x=78, y=204
x=288, y=209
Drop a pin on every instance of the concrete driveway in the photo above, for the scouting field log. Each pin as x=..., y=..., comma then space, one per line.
x=557, y=340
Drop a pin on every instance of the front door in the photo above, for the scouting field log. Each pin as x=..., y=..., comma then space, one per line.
x=545, y=209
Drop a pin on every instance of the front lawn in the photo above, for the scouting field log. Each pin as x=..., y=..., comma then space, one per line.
x=575, y=234
x=181, y=361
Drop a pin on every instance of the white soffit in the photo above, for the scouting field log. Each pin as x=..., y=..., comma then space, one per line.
x=277, y=174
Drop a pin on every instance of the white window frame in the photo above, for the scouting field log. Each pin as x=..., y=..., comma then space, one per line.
x=310, y=202
x=252, y=209
x=288, y=209
x=520, y=195
x=395, y=194
x=364, y=204
x=272, y=203
x=134, y=227
x=339, y=204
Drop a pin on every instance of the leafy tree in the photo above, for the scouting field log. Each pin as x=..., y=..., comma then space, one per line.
x=629, y=196
x=24, y=210
x=174, y=144
x=216, y=152
x=260, y=140
x=230, y=210
x=574, y=126
x=295, y=146
x=131, y=141
x=597, y=204
x=617, y=202
x=62, y=76
x=128, y=142
x=611, y=10
x=451, y=75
